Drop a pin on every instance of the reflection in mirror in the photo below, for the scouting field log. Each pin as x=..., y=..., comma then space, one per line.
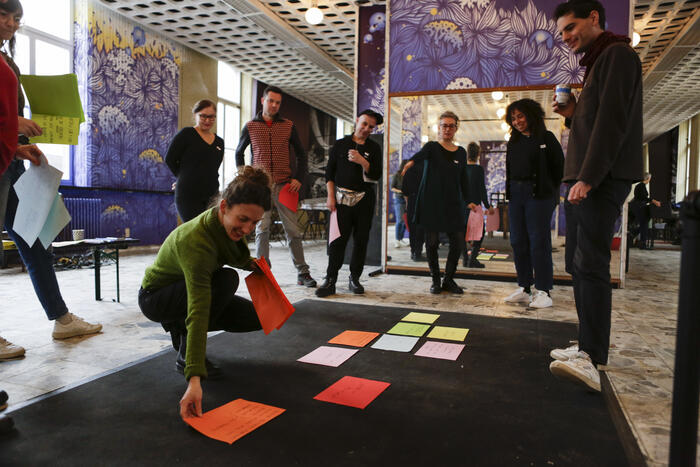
x=413, y=122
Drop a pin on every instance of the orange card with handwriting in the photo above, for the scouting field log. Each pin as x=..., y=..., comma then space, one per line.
x=234, y=420
x=354, y=338
x=355, y=392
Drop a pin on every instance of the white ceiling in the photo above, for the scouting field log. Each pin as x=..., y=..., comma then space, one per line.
x=270, y=40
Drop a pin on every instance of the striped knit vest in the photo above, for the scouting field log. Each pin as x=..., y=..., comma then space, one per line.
x=270, y=147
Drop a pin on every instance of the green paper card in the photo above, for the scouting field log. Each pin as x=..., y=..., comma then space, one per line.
x=56, y=129
x=409, y=329
x=53, y=95
x=420, y=317
x=448, y=333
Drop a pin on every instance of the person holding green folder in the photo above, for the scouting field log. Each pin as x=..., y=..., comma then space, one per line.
x=38, y=261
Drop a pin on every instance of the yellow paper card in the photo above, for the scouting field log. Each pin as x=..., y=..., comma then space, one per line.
x=420, y=317
x=57, y=129
x=409, y=329
x=448, y=333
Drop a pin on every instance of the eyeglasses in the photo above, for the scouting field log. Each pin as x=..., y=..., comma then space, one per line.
x=448, y=126
x=207, y=117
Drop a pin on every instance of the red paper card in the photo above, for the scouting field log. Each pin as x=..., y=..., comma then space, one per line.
x=355, y=392
x=234, y=420
x=289, y=198
x=271, y=305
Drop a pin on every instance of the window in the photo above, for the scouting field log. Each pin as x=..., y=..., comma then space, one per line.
x=228, y=112
x=339, y=129
x=45, y=47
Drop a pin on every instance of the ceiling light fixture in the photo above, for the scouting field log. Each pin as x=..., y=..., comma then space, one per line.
x=504, y=126
x=635, y=39
x=501, y=112
x=314, y=15
x=497, y=95
x=506, y=136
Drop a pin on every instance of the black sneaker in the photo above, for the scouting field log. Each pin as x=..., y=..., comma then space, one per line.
x=3, y=400
x=306, y=280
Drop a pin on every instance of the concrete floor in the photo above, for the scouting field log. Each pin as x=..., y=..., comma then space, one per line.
x=641, y=360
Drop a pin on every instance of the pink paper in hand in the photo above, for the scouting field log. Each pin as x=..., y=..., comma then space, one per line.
x=334, y=229
x=492, y=221
x=475, y=225
x=289, y=198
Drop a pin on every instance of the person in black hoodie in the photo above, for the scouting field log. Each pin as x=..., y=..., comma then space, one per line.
x=534, y=167
x=640, y=208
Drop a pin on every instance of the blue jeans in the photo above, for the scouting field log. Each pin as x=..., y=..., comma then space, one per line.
x=530, y=235
x=399, y=210
x=37, y=259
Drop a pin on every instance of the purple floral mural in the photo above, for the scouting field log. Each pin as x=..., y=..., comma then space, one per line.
x=129, y=84
x=464, y=44
x=371, y=79
x=493, y=160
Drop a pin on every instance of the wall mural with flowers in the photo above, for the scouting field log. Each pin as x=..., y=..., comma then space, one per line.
x=129, y=83
x=441, y=45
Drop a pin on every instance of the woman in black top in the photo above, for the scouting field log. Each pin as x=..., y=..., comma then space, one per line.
x=194, y=157
x=534, y=168
x=640, y=209
x=441, y=203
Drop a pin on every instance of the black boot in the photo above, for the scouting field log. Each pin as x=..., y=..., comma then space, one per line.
x=327, y=288
x=435, y=274
x=213, y=371
x=448, y=283
x=473, y=261
x=355, y=286
x=435, y=287
x=465, y=259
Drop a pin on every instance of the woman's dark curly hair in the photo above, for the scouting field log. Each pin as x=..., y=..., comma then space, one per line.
x=13, y=7
x=534, y=114
x=251, y=186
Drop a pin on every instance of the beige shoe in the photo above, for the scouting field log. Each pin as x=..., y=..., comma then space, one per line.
x=579, y=369
x=9, y=350
x=75, y=327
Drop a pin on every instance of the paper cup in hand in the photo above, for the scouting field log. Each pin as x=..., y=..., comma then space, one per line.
x=563, y=93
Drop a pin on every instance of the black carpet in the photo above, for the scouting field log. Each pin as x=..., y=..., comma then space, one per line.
x=496, y=405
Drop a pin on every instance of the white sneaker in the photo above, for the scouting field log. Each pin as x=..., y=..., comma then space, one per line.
x=75, y=327
x=564, y=354
x=9, y=350
x=541, y=300
x=519, y=296
x=578, y=369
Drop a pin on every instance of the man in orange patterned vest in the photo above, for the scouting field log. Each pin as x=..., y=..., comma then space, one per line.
x=270, y=137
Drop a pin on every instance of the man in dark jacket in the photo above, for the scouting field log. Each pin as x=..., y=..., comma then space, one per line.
x=604, y=157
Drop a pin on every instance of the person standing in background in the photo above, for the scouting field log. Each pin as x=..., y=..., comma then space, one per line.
x=640, y=208
x=270, y=136
x=604, y=158
x=194, y=157
x=476, y=197
x=399, y=206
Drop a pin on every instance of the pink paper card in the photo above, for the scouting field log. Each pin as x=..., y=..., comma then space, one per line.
x=333, y=230
x=441, y=350
x=354, y=392
x=493, y=221
x=289, y=198
x=234, y=420
x=328, y=356
x=354, y=338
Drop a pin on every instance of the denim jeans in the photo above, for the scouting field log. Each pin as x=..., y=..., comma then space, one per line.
x=290, y=223
x=37, y=259
x=530, y=236
x=399, y=211
x=590, y=227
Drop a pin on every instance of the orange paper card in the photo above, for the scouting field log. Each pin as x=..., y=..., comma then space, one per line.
x=355, y=392
x=354, y=338
x=271, y=305
x=234, y=420
x=289, y=198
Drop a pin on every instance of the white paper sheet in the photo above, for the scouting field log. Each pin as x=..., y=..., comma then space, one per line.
x=328, y=356
x=36, y=189
x=58, y=218
x=395, y=343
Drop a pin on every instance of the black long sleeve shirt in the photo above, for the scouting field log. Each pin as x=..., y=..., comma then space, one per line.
x=348, y=174
x=195, y=163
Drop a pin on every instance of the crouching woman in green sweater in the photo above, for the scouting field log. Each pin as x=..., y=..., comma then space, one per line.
x=188, y=290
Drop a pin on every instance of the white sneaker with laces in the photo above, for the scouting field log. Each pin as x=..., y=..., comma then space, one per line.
x=519, y=296
x=564, y=354
x=397, y=244
x=9, y=350
x=579, y=369
x=541, y=300
x=75, y=327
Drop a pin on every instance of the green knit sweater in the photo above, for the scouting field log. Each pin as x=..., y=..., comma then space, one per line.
x=193, y=252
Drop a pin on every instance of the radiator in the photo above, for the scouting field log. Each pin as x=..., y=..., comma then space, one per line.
x=85, y=214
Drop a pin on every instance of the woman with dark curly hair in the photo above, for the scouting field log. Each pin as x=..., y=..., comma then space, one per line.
x=188, y=290
x=534, y=167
